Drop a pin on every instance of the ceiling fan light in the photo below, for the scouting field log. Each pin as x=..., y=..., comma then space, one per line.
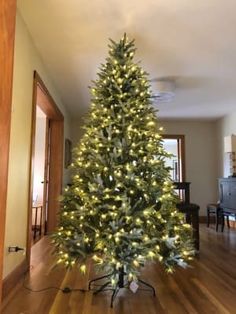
x=162, y=91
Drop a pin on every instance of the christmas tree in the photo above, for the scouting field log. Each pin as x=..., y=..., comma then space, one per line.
x=121, y=206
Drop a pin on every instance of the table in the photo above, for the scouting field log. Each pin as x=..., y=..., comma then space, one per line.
x=35, y=227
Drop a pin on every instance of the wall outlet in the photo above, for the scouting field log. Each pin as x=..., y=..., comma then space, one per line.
x=14, y=249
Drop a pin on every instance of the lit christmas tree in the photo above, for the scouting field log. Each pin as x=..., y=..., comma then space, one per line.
x=121, y=206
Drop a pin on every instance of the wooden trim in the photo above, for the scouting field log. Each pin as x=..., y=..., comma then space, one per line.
x=55, y=172
x=44, y=100
x=181, y=138
x=181, y=144
x=31, y=173
x=7, y=31
x=46, y=176
x=14, y=277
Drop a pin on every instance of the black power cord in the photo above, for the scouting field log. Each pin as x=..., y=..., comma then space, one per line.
x=64, y=290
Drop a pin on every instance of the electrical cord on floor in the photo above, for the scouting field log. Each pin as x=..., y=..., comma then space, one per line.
x=64, y=290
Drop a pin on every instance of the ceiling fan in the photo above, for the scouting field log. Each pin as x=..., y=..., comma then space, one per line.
x=163, y=89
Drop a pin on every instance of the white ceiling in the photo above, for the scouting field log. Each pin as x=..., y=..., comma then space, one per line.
x=192, y=40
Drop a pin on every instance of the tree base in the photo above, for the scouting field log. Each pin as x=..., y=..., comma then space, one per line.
x=97, y=287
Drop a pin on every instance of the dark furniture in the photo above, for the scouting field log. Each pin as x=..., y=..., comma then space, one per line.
x=214, y=209
x=190, y=210
x=37, y=227
x=227, y=193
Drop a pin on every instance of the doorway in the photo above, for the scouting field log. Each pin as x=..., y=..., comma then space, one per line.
x=46, y=164
x=175, y=144
x=40, y=176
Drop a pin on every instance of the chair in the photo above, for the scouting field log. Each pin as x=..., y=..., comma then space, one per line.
x=37, y=227
x=216, y=211
x=190, y=210
x=227, y=214
x=219, y=214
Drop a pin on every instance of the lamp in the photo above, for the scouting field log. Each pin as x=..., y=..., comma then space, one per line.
x=230, y=148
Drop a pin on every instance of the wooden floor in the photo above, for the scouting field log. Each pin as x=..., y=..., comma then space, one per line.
x=208, y=287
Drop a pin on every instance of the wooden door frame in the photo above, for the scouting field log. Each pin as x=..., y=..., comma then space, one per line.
x=43, y=99
x=45, y=175
x=181, y=152
x=7, y=31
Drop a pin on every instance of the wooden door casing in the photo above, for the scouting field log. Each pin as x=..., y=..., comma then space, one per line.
x=7, y=31
x=44, y=100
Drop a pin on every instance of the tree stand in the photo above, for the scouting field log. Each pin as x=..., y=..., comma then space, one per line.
x=107, y=285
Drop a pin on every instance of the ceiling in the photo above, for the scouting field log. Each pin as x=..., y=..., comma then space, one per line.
x=192, y=41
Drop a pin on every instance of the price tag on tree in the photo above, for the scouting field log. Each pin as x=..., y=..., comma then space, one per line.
x=133, y=286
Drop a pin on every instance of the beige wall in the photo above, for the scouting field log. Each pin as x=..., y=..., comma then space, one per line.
x=77, y=131
x=201, y=159
x=225, y=126
x=26, y=60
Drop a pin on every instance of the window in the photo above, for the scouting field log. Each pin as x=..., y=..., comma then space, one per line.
x=175, y=145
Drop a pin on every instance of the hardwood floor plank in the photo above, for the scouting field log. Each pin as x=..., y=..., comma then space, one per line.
x=211, y=297
x=209, y=286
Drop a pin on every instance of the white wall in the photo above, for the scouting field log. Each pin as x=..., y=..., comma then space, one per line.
x=26, y=60
x=200, y=156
